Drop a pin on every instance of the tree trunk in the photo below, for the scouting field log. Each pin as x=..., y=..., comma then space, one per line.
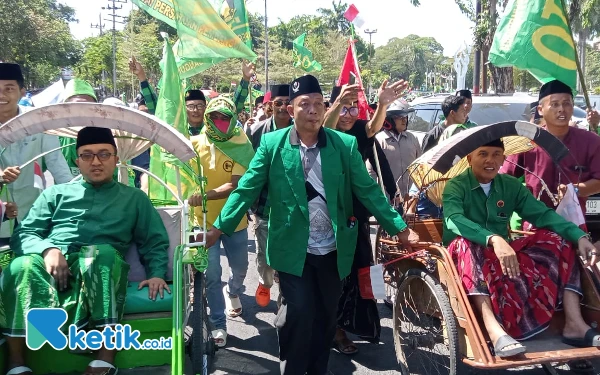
x=502, y=79
x=485, y=52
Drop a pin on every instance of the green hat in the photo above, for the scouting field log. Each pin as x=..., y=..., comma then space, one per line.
x=78, y=87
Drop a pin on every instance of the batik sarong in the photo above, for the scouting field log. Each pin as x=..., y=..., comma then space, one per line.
x=525, y=304
x=95, y=293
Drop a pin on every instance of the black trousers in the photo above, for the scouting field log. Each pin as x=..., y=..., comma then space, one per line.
x=306, y=321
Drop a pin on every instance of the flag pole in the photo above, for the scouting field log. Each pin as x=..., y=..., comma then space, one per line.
x=578, y=63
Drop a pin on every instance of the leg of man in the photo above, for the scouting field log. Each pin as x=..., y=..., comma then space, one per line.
x=483, y=305
x=214, y=290
x=104, y=273
x=575, y=326
x=25, y=284
x=265, y=273
x=236, y=249
x=327, y=291
x=294, y=321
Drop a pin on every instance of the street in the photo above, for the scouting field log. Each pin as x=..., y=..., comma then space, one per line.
x=252, y=341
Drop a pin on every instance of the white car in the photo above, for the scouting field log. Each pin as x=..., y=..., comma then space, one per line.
x=487, y=109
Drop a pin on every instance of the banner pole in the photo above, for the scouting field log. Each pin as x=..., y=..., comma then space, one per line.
x=578, y=63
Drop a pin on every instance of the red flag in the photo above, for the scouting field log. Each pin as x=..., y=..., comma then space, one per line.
x=351, y=65
x=38, y=176
x=370, y=282
x=351, y=14
x=267, y=97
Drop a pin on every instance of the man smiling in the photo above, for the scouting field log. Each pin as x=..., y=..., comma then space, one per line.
x=20, y=181
x=71, y=248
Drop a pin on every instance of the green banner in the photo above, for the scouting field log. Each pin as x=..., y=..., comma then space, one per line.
x=204, y=37
x=303, y=57
x=234, y=13
x=170, y=108
x=535, y=35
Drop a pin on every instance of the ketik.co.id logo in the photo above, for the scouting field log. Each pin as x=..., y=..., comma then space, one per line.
x=44, y=326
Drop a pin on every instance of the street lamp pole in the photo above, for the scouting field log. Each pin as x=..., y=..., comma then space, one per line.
x=114, y=38
x=370, y=32
x=266, y=51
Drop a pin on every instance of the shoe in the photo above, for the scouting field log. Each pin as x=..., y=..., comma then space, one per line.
x=233, y=305
x=500, y=348
x=263, y=296
x=220, y=337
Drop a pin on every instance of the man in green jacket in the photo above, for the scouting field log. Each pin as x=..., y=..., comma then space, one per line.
x=311, y=173
x=515, y=286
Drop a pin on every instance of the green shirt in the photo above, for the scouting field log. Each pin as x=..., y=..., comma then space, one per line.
x=469, y=213
x=75, y=214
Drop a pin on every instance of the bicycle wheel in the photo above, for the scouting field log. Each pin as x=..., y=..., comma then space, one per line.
x=202, y=345
x=425, y=333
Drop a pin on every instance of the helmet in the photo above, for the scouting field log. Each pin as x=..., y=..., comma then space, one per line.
x=399, y=108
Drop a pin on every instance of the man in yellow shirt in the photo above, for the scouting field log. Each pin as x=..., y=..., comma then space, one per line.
x=225, y=153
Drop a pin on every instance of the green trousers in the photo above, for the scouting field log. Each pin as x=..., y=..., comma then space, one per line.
x=95, y=294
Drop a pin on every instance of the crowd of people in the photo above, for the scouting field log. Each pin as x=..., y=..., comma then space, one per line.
x=311, y=174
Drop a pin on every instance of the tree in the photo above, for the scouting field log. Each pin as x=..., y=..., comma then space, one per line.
x=409, y=58
x=35, y=34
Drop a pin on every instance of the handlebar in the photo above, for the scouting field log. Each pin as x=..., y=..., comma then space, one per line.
x=194, y=232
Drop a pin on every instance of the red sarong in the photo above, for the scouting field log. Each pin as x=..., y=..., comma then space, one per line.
x=524, y=305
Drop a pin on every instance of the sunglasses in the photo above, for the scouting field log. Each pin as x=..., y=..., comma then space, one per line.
x=352, y=110
x=279, y=103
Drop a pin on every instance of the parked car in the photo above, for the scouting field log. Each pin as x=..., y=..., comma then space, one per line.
x=486, y=110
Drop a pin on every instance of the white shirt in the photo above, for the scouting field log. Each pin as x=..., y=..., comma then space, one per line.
x=321, y=238
x=486, y=188
x=22, y=191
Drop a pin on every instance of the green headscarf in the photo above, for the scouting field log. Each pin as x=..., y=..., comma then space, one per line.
x=232, y=141
x=78, y=87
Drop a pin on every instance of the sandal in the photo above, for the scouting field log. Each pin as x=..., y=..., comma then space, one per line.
x=233, y=305
x=345, y=346
x=581, y=366
x=220, y=337
x=98, y=364
x=591, y=338
x=19, y=370
x=506, y=341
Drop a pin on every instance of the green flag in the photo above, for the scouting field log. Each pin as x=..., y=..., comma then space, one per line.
x=204, y=38
x=535, y=35
x=303, y=58
x=234, y=13
x=170, y=108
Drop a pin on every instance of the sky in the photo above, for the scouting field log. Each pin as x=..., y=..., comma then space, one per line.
x=440, y=19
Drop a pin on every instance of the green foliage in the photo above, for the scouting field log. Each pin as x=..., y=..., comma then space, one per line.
x=35, y=34
x=409, y=58
x=592, y=71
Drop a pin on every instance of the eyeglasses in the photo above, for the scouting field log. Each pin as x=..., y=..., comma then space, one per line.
x=279, y=103
x=192, y=107
x=352, y=110
x=102, y=156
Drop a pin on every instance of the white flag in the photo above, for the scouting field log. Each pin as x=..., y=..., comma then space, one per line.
x=51, y=95
x=569, y=207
